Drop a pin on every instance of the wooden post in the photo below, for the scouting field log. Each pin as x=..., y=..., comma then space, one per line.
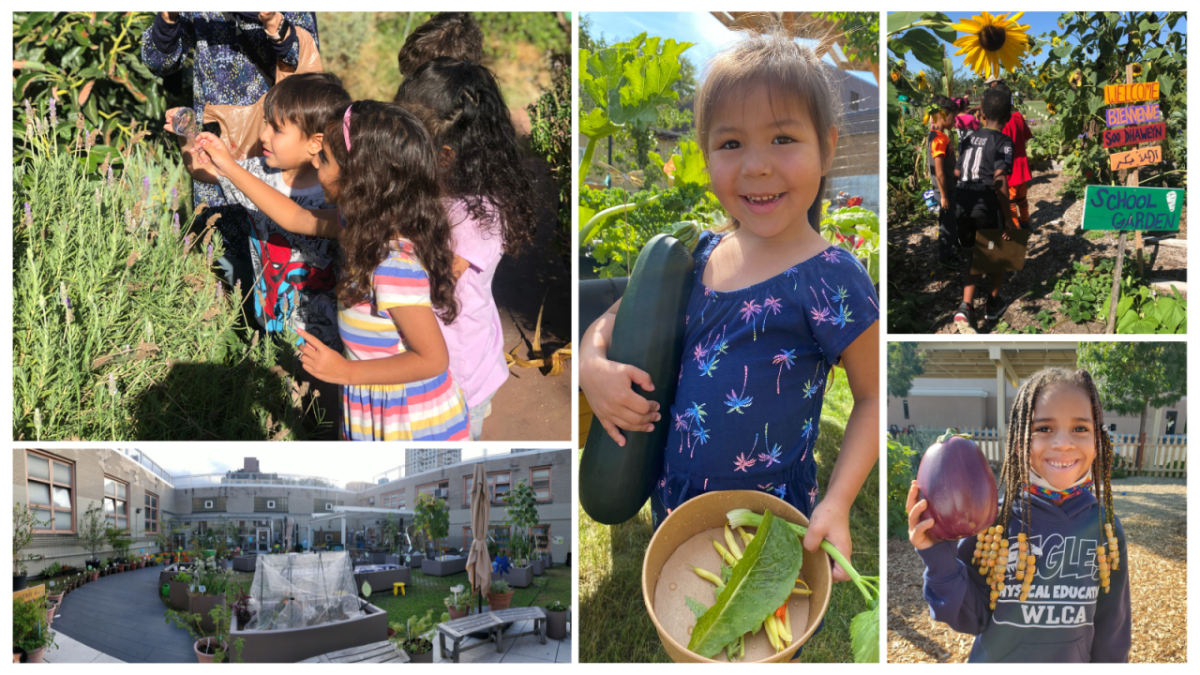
x=1131, y=180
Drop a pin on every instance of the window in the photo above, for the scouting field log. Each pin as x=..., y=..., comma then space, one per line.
x=50, y=484
x=393, y=500
x=467, y=539
x=270, y=504
x=854, y=97
x=541, y=536
x=116, y=503
x=1172, y=421
x=431, y=488
x=468, y=484
x=208, y=503
x=328, y=506
x=905, y=408
x=539, y=480
x=498, y=485
x=499, y=534
x=151, y=504
x=329, y=538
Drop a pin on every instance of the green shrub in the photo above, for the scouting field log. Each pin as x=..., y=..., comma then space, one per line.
x=120, y=329
x=901, y=472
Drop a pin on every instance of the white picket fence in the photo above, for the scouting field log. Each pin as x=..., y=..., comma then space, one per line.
x=1164, y=455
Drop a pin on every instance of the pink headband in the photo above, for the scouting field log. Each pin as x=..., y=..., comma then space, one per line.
x=346, y=127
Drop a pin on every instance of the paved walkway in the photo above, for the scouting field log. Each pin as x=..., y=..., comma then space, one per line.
x=121, y=617
x=526, y=649
x=71, y=650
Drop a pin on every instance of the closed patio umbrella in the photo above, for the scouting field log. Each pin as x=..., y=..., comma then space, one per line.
x=479, y=563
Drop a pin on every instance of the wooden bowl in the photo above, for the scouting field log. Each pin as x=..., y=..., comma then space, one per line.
x=684, y=538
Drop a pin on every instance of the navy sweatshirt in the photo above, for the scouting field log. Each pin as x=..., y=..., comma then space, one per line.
x=1067, y=617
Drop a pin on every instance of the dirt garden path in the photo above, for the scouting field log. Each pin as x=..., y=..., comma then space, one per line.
x=1154, y=515
x=1055, y=244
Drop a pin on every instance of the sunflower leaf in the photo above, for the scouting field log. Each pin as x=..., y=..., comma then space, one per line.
x=925, y=47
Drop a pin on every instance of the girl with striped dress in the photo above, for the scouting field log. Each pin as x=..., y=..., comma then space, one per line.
x=378, y=165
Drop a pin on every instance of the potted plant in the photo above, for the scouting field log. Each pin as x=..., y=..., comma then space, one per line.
x=179, y=588
x=207, y=591
x=410, y=635
x=23, y=523
x=241, y=608
x=500, y=595
x=556, y=620
x=31, y=633
x=459, y=604
x=208, y=648
x=51, y=608
x=521, y=504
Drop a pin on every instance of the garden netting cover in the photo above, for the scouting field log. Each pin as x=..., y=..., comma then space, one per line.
x=297, y=590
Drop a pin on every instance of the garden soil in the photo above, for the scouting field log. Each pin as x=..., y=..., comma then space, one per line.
x=1057, y=242
x=1154, y=515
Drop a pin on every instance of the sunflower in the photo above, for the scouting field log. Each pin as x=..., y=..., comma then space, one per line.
x=895, y=76
x=1050, y=108
x=1077, y=78
x=921, y=83
x=1137, y=69
x=992, y=42
x=1045, y=77
x=1033, y=84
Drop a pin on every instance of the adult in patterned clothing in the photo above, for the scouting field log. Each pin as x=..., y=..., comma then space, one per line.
x=235, y=56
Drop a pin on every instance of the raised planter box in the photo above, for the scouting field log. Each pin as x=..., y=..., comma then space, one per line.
x=538, y=567
x=443, y=568
x=397, y=560
x=202, y=605
x=382, y=581
x=178, y=599
x=417, y=560
x=378, y=558
x=519, y=577
x=296, y=644
x=245, y=563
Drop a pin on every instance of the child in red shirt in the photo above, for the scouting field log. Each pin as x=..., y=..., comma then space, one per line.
x=1018, y=182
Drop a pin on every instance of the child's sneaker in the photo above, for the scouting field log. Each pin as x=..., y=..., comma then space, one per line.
x=995, y=308
x=964, y=319
x=951, y=264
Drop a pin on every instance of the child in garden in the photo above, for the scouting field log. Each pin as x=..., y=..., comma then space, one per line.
x=939, y=155
x=1018, y=182
x=377, y=163
x=489, y=199
x=1064, y=591
x=772, y=298
x=985, y=160
x=293, y=274
x=452, y=34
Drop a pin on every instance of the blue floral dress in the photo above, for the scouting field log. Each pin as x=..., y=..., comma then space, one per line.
x=748, y=406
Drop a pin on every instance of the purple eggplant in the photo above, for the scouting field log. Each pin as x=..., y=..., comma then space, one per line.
x=956, y=479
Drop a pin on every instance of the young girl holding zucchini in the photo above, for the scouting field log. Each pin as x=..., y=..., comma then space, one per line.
x=773, y=307
x=1057, y=586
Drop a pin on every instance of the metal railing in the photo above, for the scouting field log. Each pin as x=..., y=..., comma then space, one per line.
x=202, y=480
x=418, y=461
x=150, y=465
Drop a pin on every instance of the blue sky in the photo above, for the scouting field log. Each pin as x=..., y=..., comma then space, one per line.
x=1039, y=23
x=709, y=35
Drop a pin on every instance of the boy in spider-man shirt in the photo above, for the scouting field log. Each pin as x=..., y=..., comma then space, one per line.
x=293, y=274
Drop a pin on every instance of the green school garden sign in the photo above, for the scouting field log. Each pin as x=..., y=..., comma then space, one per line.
x=1107, y=207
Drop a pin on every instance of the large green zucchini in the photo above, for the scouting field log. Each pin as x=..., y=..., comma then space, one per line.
x=615, y=482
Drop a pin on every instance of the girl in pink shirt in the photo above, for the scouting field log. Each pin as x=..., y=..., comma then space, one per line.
x=491, y=204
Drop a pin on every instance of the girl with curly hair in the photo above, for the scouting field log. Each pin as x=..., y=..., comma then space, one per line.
x=377, y=163
x=490, y=201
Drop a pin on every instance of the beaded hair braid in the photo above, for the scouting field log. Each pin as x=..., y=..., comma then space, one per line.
x=992, y=545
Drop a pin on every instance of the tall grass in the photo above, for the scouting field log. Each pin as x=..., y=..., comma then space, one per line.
x=120, y=329
x=616, y=626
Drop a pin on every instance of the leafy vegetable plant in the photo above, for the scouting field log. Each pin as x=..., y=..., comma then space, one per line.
x=864, y=627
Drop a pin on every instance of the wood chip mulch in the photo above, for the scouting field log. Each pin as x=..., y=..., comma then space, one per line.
x=1154, y=515
x=1056, y=243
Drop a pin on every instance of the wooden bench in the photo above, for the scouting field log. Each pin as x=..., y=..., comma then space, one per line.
x=376, y=652
x=460, y=629
x=535, y=614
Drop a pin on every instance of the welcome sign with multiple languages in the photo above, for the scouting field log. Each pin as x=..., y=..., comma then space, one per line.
x=1148, y=133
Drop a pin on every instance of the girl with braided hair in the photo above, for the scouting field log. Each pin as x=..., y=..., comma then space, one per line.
x=1062, y=592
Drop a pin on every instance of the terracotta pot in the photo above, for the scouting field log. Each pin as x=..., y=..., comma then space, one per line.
x=50, y=612
x=498, y=601
x=95, y=575
x=687, y=531
x=35, y=656
x=205, y=642
x=55, y=597
x=391, y=632
x=556, y=625
x=455, y=614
